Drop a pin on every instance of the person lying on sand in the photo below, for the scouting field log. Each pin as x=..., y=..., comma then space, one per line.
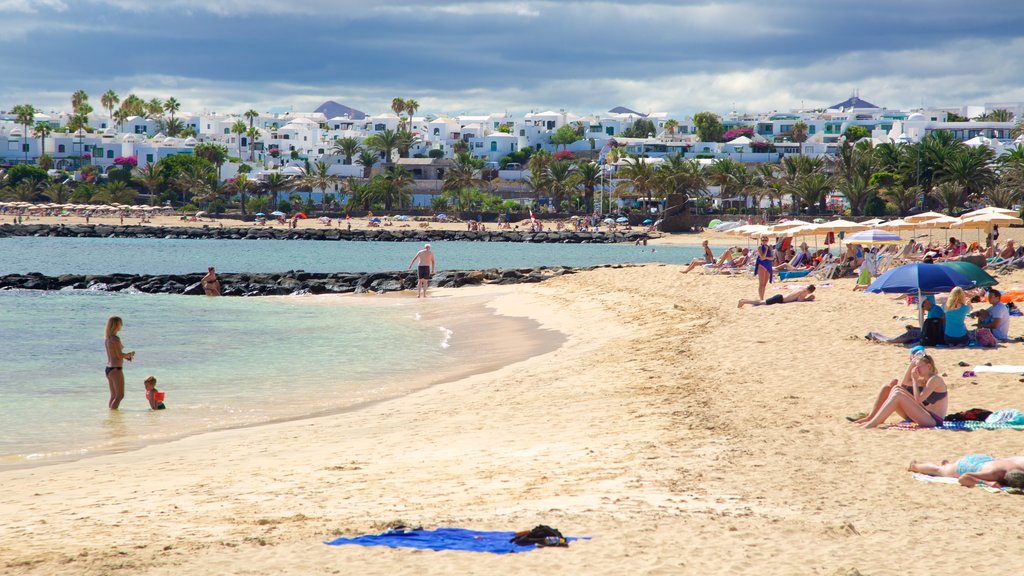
x=801, y=295
x=977, y=468
x=920, y=396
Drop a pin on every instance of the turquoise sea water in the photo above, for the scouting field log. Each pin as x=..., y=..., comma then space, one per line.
x=227, y=362
x=54, y=256
x=222, y=362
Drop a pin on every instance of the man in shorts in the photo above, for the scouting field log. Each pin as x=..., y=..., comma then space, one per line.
x=426, y=260
x=801, y=295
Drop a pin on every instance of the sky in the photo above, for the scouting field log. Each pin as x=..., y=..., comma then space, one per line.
x=483, y=56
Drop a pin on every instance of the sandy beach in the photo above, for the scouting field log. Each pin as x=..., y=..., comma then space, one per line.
x=684, y=435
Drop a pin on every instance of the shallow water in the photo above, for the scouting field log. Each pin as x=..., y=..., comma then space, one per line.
x=223, y=362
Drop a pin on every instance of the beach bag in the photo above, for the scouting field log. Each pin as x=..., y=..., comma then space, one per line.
x=540, y=536
x=985, y=338
x=933, y=332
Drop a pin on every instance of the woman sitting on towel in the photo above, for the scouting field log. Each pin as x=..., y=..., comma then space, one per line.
x=921, y=396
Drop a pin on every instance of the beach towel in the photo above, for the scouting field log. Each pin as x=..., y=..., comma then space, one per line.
x=945, y=480
x=1005, y=417
x=443, y=539
x=968, y=425
x=1000, y=369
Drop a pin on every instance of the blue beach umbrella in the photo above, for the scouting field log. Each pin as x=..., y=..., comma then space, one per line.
x=622, y=219
x=648, y=221
x=874, y=237
x=919, y=278
x=260, y=214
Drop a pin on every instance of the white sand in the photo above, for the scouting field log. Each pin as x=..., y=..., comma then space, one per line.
x=684, y=435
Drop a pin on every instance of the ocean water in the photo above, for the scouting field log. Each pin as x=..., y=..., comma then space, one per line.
x=55, y=256
x=223, y=362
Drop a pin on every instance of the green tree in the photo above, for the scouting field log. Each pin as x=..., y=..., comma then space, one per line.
x=954, y=117
x=24, y=114
x=560, y=178
x=709, y=126
x=391, y=187
x=799, y=133
x=810, y=189
x=970, y=169
x=216, y=154
x=641, y=128
x=318, y=178
x=151, y=179
x=347, y=147
x=997, y=115
x=854, y=133
x=239, y=129
x=587, y=175
x=464, y=173
x=172, y=167
x=404, y=142
x=671, y=125
x=636, y=176
x=367, y=160
x=275, y=184
x=172, y=106
x=384, y=143
x=108, y=101
x=196, y=179
x=243, y=186
x=564, y=136
x=857, y=192
x=22, y=172
x=78, y=99
x=58, y=192
x=949, y=195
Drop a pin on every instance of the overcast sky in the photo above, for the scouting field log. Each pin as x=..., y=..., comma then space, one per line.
x=482, y=56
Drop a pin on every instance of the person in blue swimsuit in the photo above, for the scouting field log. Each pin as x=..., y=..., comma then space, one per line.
x=763, y=267
x=973, y=469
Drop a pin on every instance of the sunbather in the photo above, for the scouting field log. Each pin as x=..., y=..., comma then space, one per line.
x=920, y=396
x=799, y=262
x=801, y=295
x=976, y=468
x=709, y=258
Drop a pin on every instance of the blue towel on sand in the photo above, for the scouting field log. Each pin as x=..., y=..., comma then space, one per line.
x=441, y=539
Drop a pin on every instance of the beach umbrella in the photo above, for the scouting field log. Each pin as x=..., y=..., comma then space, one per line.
x=277, y=213
x=989, y=210
x=648, y=221
x=201, y=213
x=980, y=278
x=873, y=222
x=300, y=215
x=609, y=220
x=918, y=218
x=714, y=223
x=260, y=214
x=621, y=219
x=442, y=216
x=375, y=220
x=919, y=278
x=874, y=236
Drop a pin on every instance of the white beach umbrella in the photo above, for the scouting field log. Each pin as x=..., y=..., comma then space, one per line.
x=873, y=222
x=917, y=218
x=989, y=210
x=788, y=224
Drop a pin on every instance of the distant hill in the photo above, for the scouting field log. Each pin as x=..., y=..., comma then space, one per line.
x=332, y=109
x=624, y=110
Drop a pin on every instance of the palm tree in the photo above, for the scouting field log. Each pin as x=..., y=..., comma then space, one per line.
x=398, y=106
x=392, y=187
x=729, y=175
x=195, y=179
x=810, y=189
x=1018, y=128
x=560, y=181
x=57, y=192
x=671, y=125
x=25, y=191
x=367, y=160
x=997, y=115
x=681, y=176
x=216, y=154
x=276, y=183
x=587, y=175
x=151, y=178
x=411, y=106
x=78, y=98
x=238, y=129
x=108, y=101
x=637, y=176
x=253, y=134
x=41, y=131
x=241, y=185
x=857, y=192
x=251, y=115
x=119, y=192
x=154, y=108
x=384, y=143
x=121, y=116
x=172, y=106
x=320, y=178
x=348, y=147
x=463, y=173
x=949, y=195
x=538, y=183
x=405, y=141
x=25, y=115
x=902, y=198
x=134, y=105
x=971, y=169
x=799, y=133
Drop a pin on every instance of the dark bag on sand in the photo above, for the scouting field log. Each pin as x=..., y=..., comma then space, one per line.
x=540, y=536
x=933, y=332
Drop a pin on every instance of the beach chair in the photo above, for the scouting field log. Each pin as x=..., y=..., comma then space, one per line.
x=826, y=269
x=746, y=266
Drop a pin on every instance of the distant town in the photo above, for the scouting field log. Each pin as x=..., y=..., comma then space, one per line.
x=499, y=153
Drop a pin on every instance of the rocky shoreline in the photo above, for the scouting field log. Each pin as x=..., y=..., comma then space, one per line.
x=336, y=234
x=293, y=282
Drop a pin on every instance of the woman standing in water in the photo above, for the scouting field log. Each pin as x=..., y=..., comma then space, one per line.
x=115, y=361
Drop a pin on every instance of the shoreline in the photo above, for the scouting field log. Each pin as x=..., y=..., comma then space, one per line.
x=651, y=430
x=469, y=319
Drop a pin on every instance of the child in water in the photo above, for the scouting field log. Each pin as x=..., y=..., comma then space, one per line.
x=155, y=398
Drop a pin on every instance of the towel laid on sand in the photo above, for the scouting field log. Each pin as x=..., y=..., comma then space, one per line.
x=945, y=480
x=963, y=425
x=442, y=539
x=1000, y=369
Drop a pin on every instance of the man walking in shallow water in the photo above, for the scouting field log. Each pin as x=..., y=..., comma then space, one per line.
x=425, y=257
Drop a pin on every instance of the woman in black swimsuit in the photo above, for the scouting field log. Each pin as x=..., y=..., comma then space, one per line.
x=115, y=361
x=925, y=400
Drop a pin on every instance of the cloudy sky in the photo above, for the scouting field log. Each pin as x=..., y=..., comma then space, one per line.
x=479, y=56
